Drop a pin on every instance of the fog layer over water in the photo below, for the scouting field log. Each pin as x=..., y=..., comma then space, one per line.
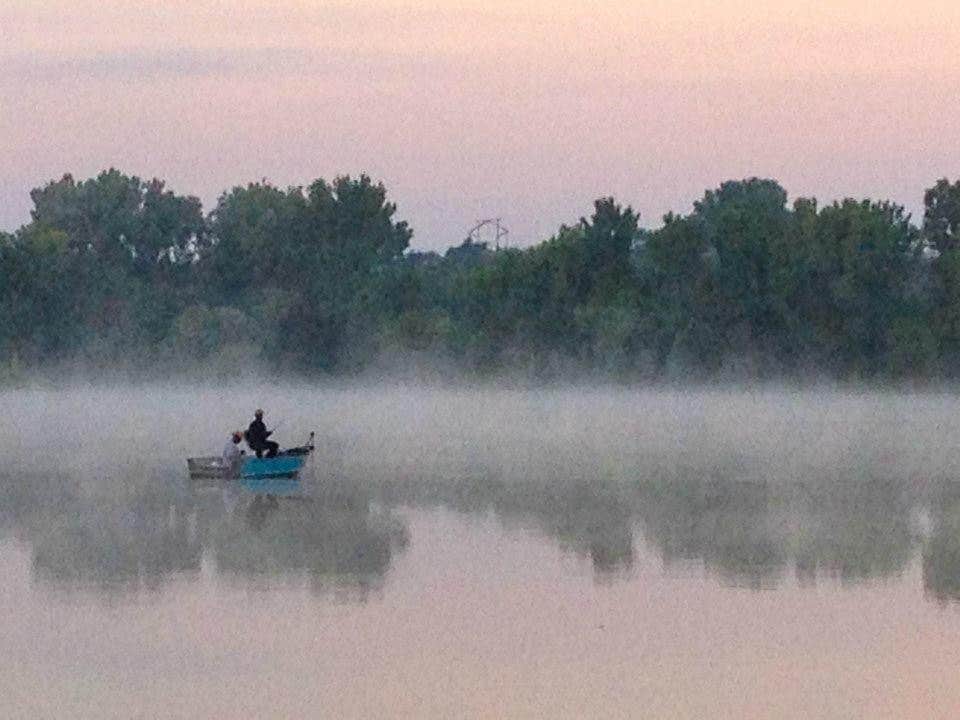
x=483, y=552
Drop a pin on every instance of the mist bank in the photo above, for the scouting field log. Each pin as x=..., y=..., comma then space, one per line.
x=116, y=276
x=754, y=486
x=391, y=431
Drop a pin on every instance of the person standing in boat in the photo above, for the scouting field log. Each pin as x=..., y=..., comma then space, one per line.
x=232, y=456
x=257, y=435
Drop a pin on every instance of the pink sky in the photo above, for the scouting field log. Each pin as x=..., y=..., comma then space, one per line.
x=468, y=109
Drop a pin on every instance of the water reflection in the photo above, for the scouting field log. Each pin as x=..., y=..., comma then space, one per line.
x=941, y=554
x=116, y=547
x=729, y=526
x=341, y=534
x=592, y=519
x=152, y=531
x=749, y=533
x=331, y=536
x=854, y=530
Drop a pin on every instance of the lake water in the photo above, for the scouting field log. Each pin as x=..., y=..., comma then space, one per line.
x=483, y=553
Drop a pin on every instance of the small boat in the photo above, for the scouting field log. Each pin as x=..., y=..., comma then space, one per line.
x=286, y=464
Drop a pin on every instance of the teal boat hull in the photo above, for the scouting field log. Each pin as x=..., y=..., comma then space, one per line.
x=283, y=466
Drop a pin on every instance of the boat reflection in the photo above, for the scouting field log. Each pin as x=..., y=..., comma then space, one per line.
x=329, y=535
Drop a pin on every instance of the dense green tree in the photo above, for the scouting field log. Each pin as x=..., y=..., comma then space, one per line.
x=252, y=230
x=741, y=223
x=867, y=251
x=303, y=262
x=122, y=219
x=941, y=218
x=608, y=237
x=677, y=267
x=941, y=230
x=39, y=299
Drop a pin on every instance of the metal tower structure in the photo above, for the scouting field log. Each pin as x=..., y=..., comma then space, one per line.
x=500, y=231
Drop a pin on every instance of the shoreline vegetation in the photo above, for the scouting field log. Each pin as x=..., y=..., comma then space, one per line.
x=117, y=276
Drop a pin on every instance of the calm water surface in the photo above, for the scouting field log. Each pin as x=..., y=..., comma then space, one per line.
x=483, y=553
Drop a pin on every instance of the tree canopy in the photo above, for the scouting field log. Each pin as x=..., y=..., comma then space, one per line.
x=321, y=279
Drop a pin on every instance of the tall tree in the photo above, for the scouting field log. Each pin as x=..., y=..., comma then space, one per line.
x=121, y=219
x=302, y=261
x=868, y=252
x=941, y=230
x=742, y=221
x=941, y=217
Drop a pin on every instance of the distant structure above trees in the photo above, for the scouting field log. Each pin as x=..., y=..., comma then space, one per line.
x=115, y=270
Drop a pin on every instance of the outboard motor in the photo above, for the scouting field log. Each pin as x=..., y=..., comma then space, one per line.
x=303, y=449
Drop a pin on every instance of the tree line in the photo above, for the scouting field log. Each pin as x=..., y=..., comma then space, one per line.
x=118, y=271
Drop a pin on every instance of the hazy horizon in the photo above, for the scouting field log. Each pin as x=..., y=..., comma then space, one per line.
x=467, y=109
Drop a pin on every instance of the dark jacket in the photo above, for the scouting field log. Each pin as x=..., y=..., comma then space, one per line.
x=257, y=434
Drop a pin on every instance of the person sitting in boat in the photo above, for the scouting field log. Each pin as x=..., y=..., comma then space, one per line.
x=257, y=435
x=232, y=455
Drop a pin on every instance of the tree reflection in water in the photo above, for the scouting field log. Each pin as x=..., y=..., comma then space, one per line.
x=155, y=530
x=941, y=554
x=83, y=538
x=342, y=535
x=745, y=532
